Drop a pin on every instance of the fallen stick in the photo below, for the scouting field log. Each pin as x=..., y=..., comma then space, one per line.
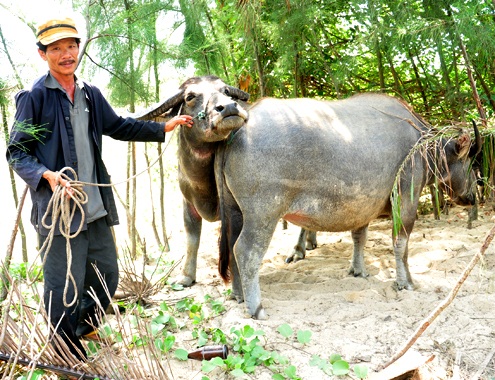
x=483, y=365
x=446, y=302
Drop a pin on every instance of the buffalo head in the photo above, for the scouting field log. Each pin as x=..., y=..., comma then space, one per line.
x=456, y=175
x=217, y=108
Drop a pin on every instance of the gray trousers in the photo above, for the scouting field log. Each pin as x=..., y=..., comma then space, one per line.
x=92, y=248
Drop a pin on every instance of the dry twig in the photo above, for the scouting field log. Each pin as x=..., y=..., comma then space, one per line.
x=446, y=302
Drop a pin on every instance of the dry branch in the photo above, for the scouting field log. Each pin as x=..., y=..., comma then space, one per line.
x=446, y=302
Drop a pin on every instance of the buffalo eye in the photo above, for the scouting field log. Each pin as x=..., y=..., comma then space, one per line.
x=226, y=91
x=190, y=97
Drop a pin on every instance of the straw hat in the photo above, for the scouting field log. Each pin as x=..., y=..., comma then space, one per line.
x=55, y=30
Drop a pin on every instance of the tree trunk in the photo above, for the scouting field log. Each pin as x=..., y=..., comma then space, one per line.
x=472, y=82
x=132, y=148
x=3, y=110
x=259, y=66
x=417, y=79
x=153, y=218
x=166, y=245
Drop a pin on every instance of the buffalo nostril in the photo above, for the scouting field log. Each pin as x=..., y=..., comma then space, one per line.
x=219, y=108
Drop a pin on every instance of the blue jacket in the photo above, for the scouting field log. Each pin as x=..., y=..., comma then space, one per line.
x=52, y=146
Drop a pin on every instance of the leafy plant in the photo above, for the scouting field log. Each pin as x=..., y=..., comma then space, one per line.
x=336, y=366
x=19, y=271
x=303, y=336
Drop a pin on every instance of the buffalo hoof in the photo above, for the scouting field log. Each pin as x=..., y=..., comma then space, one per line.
x=260, y=314
x=311, y=246
x=185, y=281
x=295, y=257
x=237, y=297
x=405, y=286
x=358, y=273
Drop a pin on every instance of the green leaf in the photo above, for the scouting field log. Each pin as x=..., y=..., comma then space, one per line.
x=278, y=376
x=181, y=354
x=334, y=357
x=304, y=336
x=247, y=331
x=217, y=361
x=169, y=342
x=322, y=364
x=237, y=372
x=208, y=366
x=290, y=371
x=156, y=328
x=361, y=371
x=285, y=330
x=340, y=368
x=162, y=318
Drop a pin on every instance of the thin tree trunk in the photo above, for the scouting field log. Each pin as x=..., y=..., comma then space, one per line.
x=486, y=88
x=8, y=256
x=417, y=79
x=296, y=73
x=259, y=65
x=161, y=170
x=376, y=42
x=166, y=245
x=132, y=106
x=472, y=82
x=3, y=109
x=133, y=235
x=218, y=44
x=153, y=218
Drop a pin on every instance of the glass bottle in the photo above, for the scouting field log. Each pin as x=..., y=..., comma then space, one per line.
x=208, y=352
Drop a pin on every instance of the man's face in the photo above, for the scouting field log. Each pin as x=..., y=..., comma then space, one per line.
x=61, y=56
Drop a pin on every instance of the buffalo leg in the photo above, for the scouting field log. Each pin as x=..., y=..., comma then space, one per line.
x=249, y=250
x=311, y=242
x=401, y=251
x=192, y=225
x=306, y=241
x=403, y=276
x=235, y=223
x=359, y=237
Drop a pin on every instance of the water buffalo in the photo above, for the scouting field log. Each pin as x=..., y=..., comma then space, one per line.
x=329, y=166
x=218, y=110
x=325, y=166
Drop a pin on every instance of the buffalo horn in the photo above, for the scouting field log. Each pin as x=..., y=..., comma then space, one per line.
x=476, y=147
x=160, y=109
x=239, y=94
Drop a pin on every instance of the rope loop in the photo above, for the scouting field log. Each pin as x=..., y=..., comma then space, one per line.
x=61, y=210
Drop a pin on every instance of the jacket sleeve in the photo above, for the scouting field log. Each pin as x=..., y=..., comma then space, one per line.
x=125, y=129
x=25, y=134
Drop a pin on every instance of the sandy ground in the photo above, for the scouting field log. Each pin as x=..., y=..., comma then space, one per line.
x=364, y=320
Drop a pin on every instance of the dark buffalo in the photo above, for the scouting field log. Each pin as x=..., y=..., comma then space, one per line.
x=219, y=109
x=325, y=166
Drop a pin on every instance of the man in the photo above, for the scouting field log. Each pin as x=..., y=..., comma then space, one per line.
x=59, y=123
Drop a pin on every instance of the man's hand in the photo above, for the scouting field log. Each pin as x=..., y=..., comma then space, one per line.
x=54, y=179
x=178, y=120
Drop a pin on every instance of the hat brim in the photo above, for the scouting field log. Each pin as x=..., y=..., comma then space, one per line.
x=60, y=34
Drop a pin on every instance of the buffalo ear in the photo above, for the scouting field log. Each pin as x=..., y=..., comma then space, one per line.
x=463, y=144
